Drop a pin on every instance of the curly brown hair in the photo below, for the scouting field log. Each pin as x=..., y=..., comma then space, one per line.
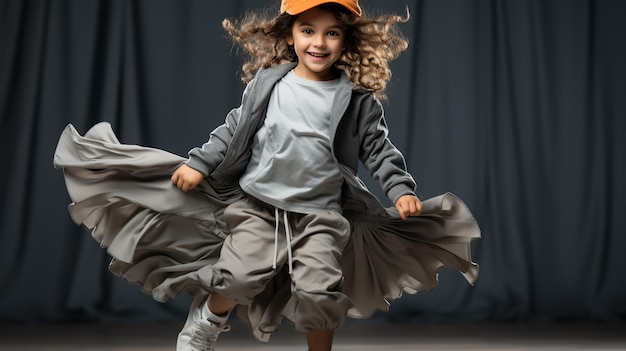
x=370, y=44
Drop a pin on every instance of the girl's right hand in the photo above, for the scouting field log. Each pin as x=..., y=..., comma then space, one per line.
x=186, y=178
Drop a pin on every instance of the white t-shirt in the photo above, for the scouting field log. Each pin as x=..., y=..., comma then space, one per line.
x=292, y=165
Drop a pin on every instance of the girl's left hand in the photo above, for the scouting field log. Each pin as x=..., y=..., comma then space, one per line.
x=408, y=205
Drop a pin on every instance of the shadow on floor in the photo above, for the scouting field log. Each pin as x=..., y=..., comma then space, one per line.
x=356, y=335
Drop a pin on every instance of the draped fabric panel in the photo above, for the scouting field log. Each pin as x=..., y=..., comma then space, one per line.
x=517, y=107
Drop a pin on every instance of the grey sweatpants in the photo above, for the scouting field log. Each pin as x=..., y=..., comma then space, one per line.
x=317, y=241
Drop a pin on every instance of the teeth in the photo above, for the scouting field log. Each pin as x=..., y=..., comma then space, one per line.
x=317, y=55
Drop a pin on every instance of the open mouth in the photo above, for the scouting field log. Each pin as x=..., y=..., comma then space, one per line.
x=316, y=55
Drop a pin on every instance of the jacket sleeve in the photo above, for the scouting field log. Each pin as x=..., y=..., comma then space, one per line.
x=205, y=158
x=384, y=162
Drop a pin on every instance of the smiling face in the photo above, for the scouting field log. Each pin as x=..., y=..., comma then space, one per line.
x=317, y=37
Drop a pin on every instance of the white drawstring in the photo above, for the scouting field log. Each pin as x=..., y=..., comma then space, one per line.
x=288, y=238
x=275, y=238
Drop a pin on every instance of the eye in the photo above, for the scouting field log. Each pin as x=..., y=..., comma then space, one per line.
x=333, y=33
x=307, y=31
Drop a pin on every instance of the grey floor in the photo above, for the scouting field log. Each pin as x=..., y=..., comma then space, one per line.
x=362, y=336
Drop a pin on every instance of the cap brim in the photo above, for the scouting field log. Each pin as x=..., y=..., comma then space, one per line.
x=304, y=5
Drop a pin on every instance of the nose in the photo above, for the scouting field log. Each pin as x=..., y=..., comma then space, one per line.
x=320, y=41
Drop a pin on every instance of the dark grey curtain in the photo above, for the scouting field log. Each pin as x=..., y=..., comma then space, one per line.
x=515, y=106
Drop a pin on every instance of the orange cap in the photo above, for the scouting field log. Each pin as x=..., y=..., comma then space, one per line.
x=294, y=7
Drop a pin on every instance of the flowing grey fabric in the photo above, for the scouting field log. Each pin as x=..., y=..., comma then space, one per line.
x=166, y=240
x=515, y=106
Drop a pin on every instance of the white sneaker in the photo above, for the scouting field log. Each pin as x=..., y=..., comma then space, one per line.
x=199, y=334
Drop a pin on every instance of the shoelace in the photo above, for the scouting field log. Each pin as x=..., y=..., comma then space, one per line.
x=287, y=237
x=205, y=335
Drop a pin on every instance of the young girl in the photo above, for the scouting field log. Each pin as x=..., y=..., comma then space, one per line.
x=278, y=221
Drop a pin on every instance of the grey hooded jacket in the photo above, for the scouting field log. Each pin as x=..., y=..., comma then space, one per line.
x=359, y=133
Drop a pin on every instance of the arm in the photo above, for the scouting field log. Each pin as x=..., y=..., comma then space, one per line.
x=385, y=162
x=205, y=158
x=202, y=160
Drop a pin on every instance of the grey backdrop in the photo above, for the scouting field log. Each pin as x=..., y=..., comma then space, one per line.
x=517, y=106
